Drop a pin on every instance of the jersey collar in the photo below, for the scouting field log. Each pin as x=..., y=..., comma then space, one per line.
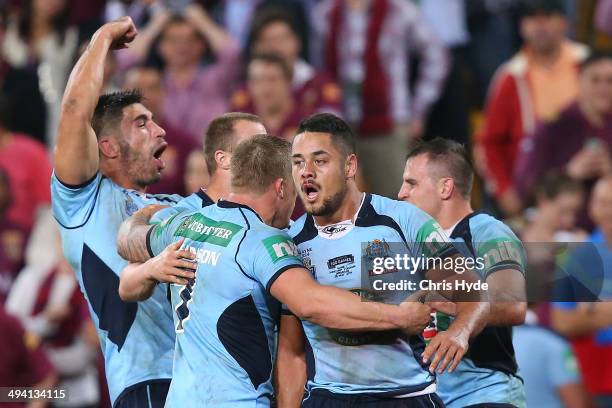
x=230, y=204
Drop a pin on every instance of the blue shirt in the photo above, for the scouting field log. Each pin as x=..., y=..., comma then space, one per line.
x=137, y=339
x=225, y=343
x=547, y=363
x=384, y=363
x=488, y=373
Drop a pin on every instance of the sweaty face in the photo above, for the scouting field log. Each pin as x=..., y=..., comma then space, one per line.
x=319, y=173
x=141, y=145
x=544, y=33
x=278, y=38
x=419, y=187
x=596, y=86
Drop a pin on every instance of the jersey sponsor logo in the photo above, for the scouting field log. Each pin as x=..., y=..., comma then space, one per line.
x=203, y=229
x=434, y=240
x=377, y=249
x=335, y=231
x=280, y=247
x=341, y=266
x=205, y=256
x=502, y=251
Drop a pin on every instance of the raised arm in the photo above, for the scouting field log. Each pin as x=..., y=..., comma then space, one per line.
x=76, y=151
x=216, y=36
x=340, y=309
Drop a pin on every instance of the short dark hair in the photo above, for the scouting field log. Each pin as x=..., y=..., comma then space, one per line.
x=556, y=182
x=451, y=156
x=530, y=8
x=341, y=133
x=594, y=58
x=258, y=161
x=220, y=135
x=269, y=16
x=276, y=60
x=109, y=110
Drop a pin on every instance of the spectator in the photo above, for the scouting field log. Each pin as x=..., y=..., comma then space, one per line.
x=534, y=85
x=28, y=169
x=12, y=241
x=367, y=47
x=275, y=32
x=50, y=305
x=589, y=325
x=559, y=199
x=23, y=362
x=41, y=39
x=579, y=140
x=196, y=172
x=548, y=367
x=149, y=81
x=269, y=90
x=195, y=94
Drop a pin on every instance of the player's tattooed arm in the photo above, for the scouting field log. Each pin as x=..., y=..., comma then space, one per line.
x=132, y=236
x=173, y=265
x=76, y=151
x=290, y=367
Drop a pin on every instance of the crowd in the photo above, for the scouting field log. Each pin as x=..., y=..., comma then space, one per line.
x=525, y=84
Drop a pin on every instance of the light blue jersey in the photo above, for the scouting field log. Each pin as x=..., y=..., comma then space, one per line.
x=192, y=202
x=137, y=338
x=225, y=344
x=382, y=363
x=488, y=373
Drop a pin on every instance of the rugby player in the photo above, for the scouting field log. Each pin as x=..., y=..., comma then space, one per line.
x=138, y=280
x=358, y=369
x=225, y=342
x=108, y=151
x=438, y=179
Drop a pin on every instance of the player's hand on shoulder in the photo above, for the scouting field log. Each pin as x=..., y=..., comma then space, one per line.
x=173, y=265
x=121, y=31
x=446, y=350
x=148, y=211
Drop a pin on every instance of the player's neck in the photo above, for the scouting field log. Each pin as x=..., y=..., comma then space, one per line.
x=452, y=212
x=119, y=177
x=347, y=210
x=218, y=187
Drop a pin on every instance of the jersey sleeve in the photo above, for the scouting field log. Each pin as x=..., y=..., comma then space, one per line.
x=561, y=365
x=423, y=234
x=272, y=254
x=72, y=205
x=498, y=248
x=190, y=203
x=167, y=231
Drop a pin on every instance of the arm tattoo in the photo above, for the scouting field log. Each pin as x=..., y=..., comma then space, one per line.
x=132, y=238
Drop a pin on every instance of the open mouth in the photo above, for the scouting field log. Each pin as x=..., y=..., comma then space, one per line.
x=311, y=192
x=158, y=153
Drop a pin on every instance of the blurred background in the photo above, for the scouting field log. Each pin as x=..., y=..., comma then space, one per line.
x=526, y=85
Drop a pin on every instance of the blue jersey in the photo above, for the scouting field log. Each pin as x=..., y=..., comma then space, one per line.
x=488, y=372
x=225, y=345
x=192, y=202
x=137, y=338
x=384, y=363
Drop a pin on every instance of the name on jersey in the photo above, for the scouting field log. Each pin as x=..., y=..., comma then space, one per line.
x=203, y=229
x=205, y=256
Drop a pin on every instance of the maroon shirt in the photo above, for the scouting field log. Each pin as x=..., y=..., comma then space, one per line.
x=553, y=145
x=13, y=240
x=23, y=362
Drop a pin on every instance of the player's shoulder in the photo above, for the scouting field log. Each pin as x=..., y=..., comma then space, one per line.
x=394, y=208
x=486, y=227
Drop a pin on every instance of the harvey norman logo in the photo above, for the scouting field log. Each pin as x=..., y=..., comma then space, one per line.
x=280, y=247
x=203, y=229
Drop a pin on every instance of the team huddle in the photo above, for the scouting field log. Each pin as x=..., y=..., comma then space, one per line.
x=220, y=300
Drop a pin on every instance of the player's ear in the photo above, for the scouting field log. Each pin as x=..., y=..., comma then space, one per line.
x=446, y=186
x=223, y=159
x=351, y=166
x=280, y=188
x=109, y=147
